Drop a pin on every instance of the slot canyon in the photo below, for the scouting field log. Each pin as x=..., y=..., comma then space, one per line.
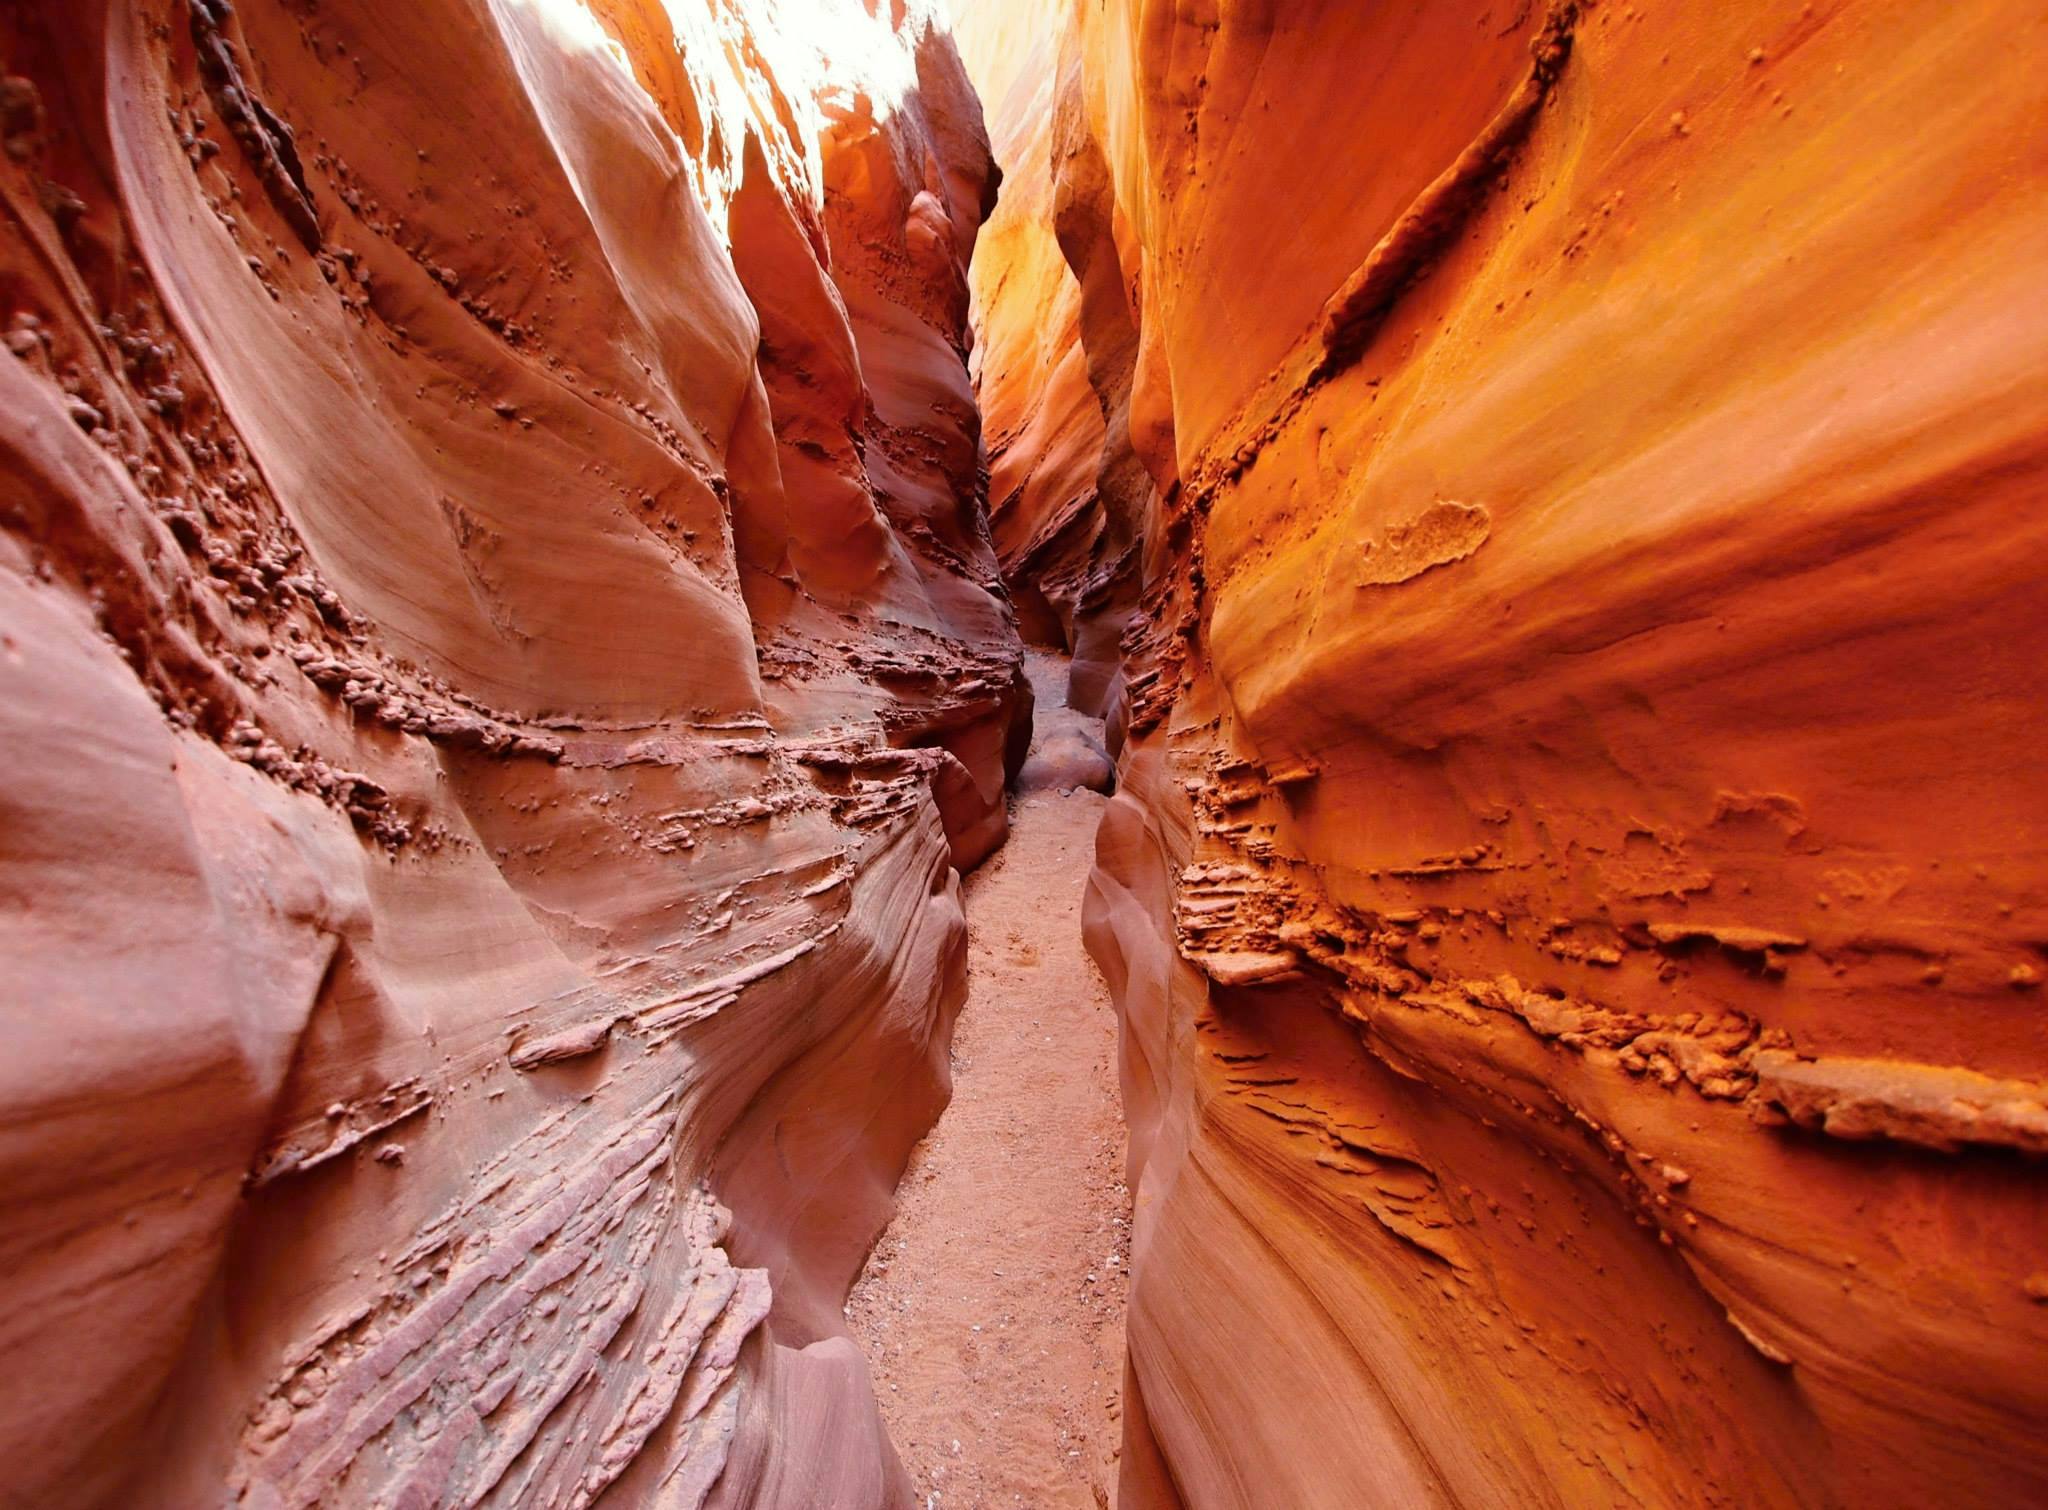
x=1178, y=754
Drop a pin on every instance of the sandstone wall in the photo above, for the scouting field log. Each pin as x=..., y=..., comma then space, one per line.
x=1576, y=895
x=502, y=654
x=1056, y=321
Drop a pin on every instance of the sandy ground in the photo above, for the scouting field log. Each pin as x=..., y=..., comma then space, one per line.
x=992, y=1308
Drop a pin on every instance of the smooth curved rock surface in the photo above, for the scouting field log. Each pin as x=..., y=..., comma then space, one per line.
x=1056, y=324
x=1575, y=889
x=509, y=629
x=502, y=656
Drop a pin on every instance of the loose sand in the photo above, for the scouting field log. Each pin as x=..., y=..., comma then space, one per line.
x=992, y=1308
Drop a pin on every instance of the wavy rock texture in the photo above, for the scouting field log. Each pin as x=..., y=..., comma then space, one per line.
x=502, y=654
x=1577, y=893
x=1056, y=322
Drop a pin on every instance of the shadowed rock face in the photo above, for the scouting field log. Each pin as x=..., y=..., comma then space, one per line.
x=500, y=656
x=1576, y=891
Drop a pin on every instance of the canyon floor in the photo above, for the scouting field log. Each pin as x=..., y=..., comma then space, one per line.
x=992, y=1308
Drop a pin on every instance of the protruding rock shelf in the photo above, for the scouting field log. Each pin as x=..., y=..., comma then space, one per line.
x=1577, y=890
x=519, y=526
x=500, y=659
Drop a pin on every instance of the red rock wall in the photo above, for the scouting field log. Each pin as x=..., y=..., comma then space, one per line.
x=501, y=656
x=1577, y=896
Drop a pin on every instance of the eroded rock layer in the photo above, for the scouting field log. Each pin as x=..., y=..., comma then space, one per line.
x=501, y=656
x=1577, y=893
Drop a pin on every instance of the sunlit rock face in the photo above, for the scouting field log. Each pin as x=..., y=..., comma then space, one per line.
x=501, y=656
x=1056, y=323
x=1577, y=892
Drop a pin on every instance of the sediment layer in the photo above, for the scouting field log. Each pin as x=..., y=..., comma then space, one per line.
x=502, y=659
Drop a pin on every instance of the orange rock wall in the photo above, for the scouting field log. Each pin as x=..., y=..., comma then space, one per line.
x=1577, y=896
x=501, y=657
x=1056, y=322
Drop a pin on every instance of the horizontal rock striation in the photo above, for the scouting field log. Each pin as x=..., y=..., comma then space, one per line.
x=501, y=658
x=1575, y=892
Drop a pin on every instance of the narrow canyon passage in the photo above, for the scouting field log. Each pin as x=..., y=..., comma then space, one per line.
x=992, y=1308
x=530, y=805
